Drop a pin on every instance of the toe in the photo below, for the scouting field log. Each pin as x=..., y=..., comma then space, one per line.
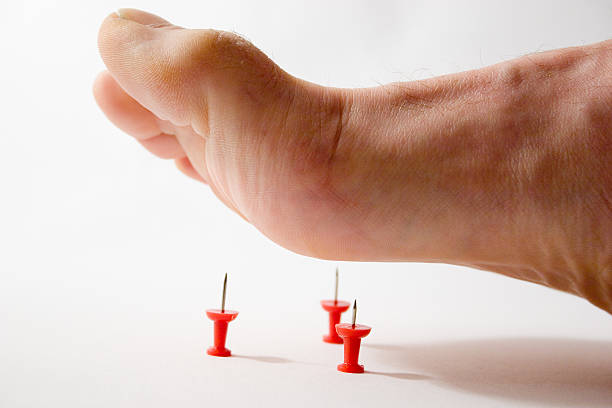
x=131, y=117
x=145, y=59
x=185, y=166
x=123, y=110
x=171, y=71
x=195, y=147
x=164, y=146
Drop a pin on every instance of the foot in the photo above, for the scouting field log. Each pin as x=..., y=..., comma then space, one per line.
x=508, y=168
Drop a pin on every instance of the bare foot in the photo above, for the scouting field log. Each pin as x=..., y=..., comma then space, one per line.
x=507, y=168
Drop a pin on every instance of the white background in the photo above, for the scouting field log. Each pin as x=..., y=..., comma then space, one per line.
x=109, y=256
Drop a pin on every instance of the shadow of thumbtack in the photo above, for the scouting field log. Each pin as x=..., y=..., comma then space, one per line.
x=386, y=347
x=275, y=360
x=266, y=359
x=401, y=376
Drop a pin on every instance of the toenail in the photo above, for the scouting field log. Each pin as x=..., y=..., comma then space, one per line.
x=124, y=14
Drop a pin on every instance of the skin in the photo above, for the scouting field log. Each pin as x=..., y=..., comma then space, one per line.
x=506, y=168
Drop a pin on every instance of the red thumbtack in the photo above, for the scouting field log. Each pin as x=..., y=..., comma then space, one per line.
x=335, y=308
x=221, y=317
x=352, y=334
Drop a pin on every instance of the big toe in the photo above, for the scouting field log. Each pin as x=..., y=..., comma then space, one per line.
x=171, y=70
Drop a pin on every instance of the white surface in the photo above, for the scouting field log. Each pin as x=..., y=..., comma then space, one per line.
x=110, y=256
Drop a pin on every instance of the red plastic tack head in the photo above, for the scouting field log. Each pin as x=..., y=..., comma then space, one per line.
x=335, y=309
x=352, y=335
x=221, y=319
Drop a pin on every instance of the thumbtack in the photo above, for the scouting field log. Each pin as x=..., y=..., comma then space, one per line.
x=334, y=308
x=221, y=317
x=351, y=334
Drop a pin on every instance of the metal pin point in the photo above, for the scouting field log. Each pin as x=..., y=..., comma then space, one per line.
x=336, y=290
x=223, y=297
x=354, y=312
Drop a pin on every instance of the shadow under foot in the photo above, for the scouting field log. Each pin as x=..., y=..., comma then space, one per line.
x=550, y=371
